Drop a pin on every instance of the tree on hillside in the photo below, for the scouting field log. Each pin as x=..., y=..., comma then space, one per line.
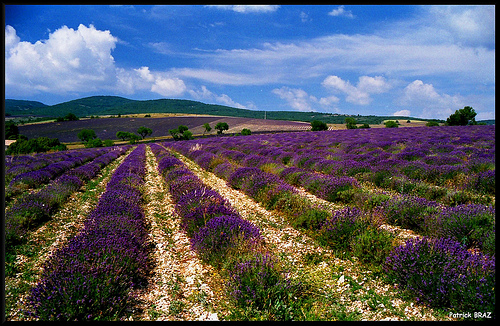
x=350, y=123
x=71, y=117
x=246, y=132
x=317, y=125
x=123, y=135
x=391, y=124
x=207, y=128
x=462, y=117
x=86, y=134
x=143, y=131
x=181, y=133
x=11, y=130
x=221, y=126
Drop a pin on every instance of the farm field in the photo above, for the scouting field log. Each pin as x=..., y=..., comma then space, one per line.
x=106, y=128
x=373, y=224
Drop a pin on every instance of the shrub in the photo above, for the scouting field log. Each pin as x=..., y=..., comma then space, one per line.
x=372, y=246
x=432, y=124
x=96, y=142
x=339, y=229
x=246, y=132
x=409, y=212
x=222, y=236
x=470, y=225
x=391, y=124
x=259, y=283
x=199, y=206
x=442, y=273
x=317, y=125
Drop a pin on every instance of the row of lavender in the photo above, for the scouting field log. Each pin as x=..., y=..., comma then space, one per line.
x=356, y=230
x=459, y=158
x=226, y=241
x=32, y=209
x=20, y=164
x=471, y=224
x=40, y=175
x=92, y=276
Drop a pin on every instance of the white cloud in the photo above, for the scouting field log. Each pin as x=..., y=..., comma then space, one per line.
x=359, y=94
x=247, y=8
x=205, y=94
x=340, y=11
x=297, y=98
x=426, y=99
x=404, y=113
x=69, y=61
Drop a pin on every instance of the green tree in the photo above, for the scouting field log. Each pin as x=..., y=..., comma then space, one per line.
x=432, y=124
x=182, y=128
x=175, y=133
x=221, y=126
x=86, y=134
x=187, y=135
x=317, y=125
x=391, y=124
x=11, y=130
x=207, y=128
x=71, y=117
x=123, y=135
x=108, y=142
x=133, y=138
x=143, y=131
x=350, y=123
x=364, y=125
x=246, y=132
x=462, y=117
x=96, y=142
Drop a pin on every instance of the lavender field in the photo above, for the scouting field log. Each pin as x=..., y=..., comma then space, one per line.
x=361, y=224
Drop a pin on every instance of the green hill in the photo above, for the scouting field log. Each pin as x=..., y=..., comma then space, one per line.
x=21, y=107
x=114, y=105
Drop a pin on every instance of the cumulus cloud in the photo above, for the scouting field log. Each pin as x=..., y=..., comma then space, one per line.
x=205, y=94
x=433, y=104
x=340, y=11
x=359, y=94
x=70, y=60
x=248, y=8
x=404, y=113
x=297, y=98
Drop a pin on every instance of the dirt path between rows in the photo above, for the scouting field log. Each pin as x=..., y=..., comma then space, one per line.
x=329, y=276
x=179, y=287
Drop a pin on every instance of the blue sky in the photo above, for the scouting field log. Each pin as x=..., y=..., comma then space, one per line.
x=419, y=61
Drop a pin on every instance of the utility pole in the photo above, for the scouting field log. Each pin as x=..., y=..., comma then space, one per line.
x=265, y=115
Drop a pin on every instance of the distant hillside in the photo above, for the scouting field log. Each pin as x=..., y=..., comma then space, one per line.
x=114, y=105
x=21, y=107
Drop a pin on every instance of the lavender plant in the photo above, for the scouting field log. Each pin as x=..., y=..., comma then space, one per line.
x=442, y=273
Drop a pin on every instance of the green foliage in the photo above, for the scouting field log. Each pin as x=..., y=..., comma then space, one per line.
x=11, y=130
x=86, y=134
x=350, y=123
x=108, y=142
x=462, y=117
x=432, y=124
x=372, y=246
x=133, y=138
x=364, y=126
x=123, y=135
x=181, y=133
x=317, y=125
x=38, y=145
x=207, y=127
x=96, y=142
x=391, y=124
x=246, y=132
x=221, y=126
x=71, y=117
x=143, y=131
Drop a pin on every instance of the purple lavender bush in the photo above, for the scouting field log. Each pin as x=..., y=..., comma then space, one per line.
x=442, y=273
x=223, y=237
x=409, y=212
x=471, y=225
x=259, y=283
x=338, y=230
